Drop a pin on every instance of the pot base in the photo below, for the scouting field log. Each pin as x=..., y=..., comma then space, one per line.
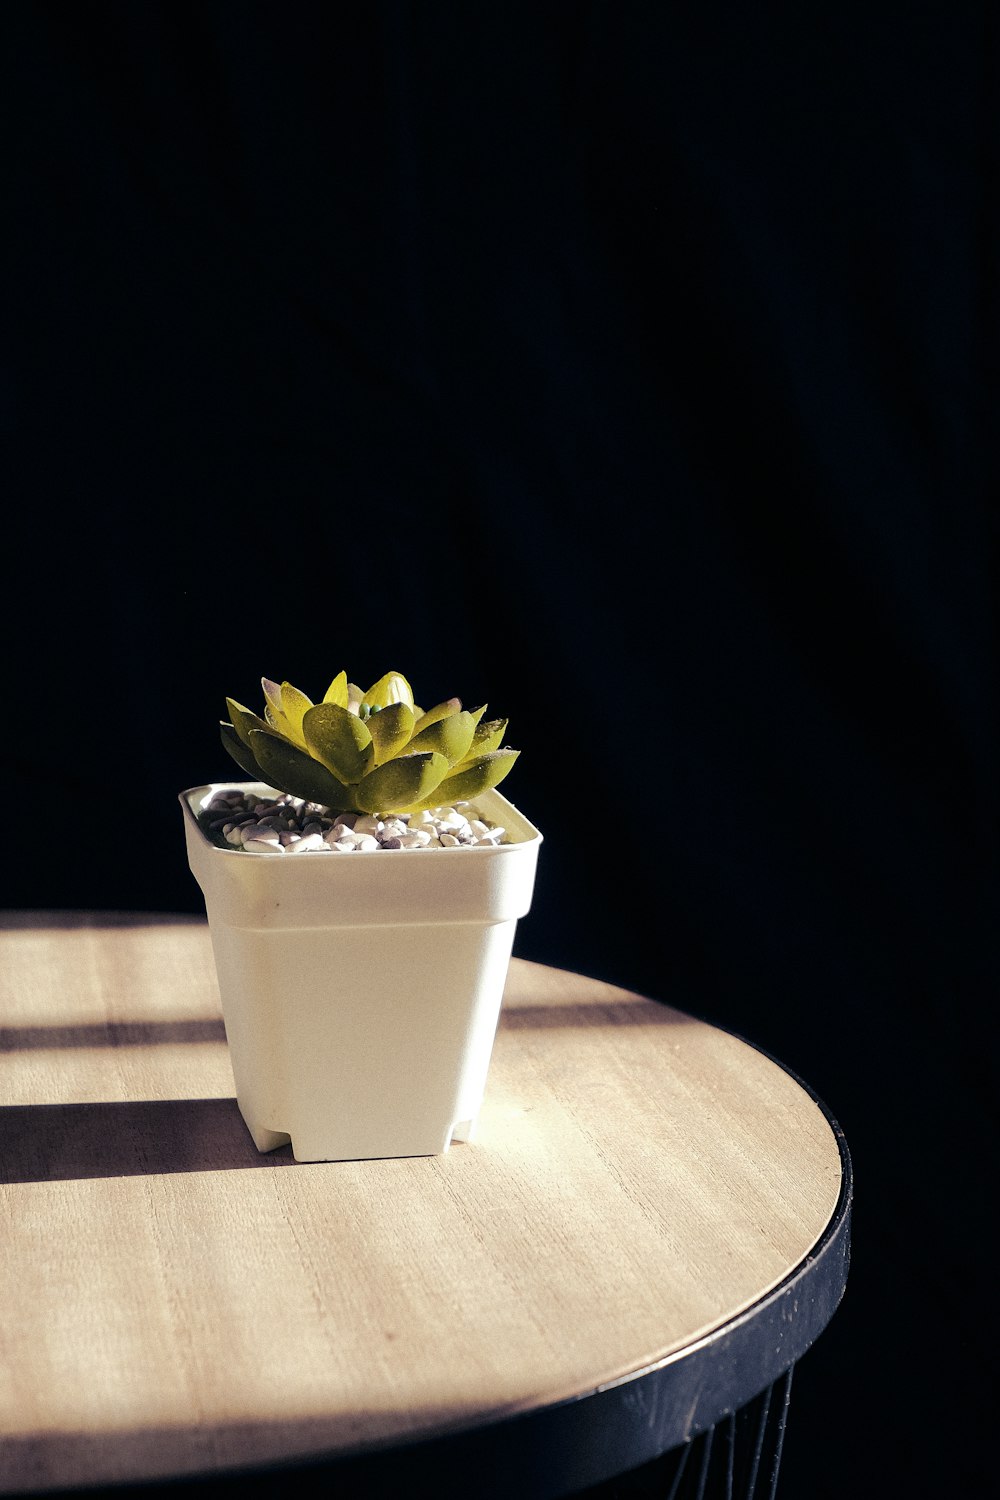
x=306, y=1150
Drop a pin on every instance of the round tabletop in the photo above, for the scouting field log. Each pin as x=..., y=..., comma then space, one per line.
x=651, y=1224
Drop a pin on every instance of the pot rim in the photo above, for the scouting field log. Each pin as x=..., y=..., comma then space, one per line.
x=523, y=834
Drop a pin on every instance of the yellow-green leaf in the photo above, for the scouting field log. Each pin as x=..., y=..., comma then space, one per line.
x=340, y=740
x=244, y=720
x=391, y=730
x=471, y=781
x=241, y=753
x=400, y=783
x=275, y=714
x=294, y=705
x=272, y=695
x=291, y=770
x=392, y=688
x=337, y=691
x=435, y=714
x=450, y=737
x=488, y=736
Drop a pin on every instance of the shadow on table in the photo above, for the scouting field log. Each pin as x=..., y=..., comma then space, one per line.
x=111, y=1034
x=48, y=918
x=63, y=1142
x=630, y=1011
x=196, y=1457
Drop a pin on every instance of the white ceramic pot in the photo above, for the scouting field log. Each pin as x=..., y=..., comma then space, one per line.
x=361, y=991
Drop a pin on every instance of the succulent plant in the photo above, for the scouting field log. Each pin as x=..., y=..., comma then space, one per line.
x=373, y=752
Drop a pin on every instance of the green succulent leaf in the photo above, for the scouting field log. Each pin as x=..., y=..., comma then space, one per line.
x=244, y=720
x=391, y=730
x=241, y=753
x=470, y=781
x=294, y=706
x=340, y=740
x=450, y=737
x=436, y=714
x=337, y=691
x=400, y=783
x=291, y=770
x=272, y=696
x=488, y=736
x=275, y=714
x=392, y=688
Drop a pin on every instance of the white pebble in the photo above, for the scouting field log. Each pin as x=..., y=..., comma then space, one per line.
x=306, y=843
x=262, y=846
x=256, y=831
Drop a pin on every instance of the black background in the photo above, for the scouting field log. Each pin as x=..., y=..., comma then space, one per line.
x=626, y=366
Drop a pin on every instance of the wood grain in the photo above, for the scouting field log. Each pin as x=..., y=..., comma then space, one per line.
x=175, y=1302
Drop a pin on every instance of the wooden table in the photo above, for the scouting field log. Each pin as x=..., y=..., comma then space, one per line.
x=651, y=1226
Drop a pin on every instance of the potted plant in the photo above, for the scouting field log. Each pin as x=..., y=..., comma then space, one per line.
x=362, y=892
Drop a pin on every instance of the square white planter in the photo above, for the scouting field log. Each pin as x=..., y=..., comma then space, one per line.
x=361, y=991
